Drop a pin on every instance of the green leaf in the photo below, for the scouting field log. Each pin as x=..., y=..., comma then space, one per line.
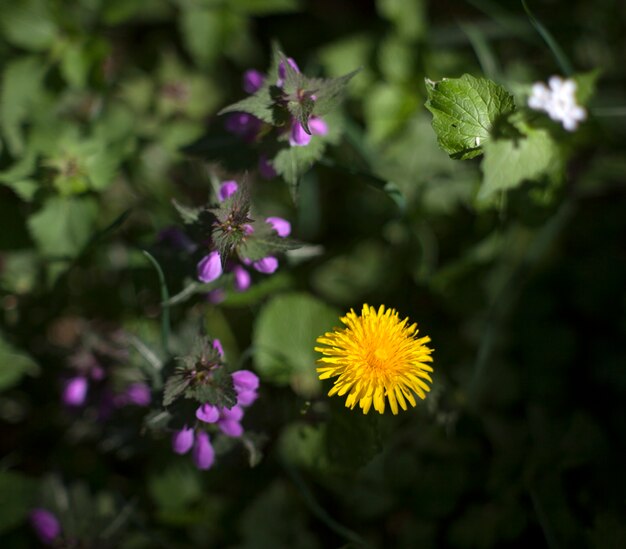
x=263, y=242
x=175, y=488
x=264, y=104
x=14, y=365
x=16, y=499
x=464, y=112
x=187, y=214
x=264, y=7
x=28, y=24
x=510, y=161
x=175, y=386
x=284, y=336
x=22, y=87
x=586, y=85
x=63, y=226
x=218, y=391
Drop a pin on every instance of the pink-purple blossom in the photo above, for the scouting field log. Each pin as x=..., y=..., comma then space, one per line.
x=182, y=440
x=243, y=124
x=210, y=267
x=203, y=453
x=208, y=413
x=75, y=391
x=242, y=278
x=299, y=138
x=137, y=394
x=227, y=189
x=266, y=265
x=45, y=524
x=280, y=225
x=252, y=80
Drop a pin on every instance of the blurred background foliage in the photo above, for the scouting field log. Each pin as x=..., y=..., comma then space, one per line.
x=520, y=443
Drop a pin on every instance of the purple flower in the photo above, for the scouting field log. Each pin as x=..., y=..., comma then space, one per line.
x=282, y=72
x=217, y=345
x=45, y=524
x=252, y=80
x=182, y=440
x=266, y=170
x=246, y=384
x=242, y=278
x=245, y=380
x=203, y=453
x=75, y=391
x=243, y=124
x=266, y=265
x=229, y=422
x=299, y=138
x=138, y=394
x=280, y=225
x=227, y=189
x=210, y=267
x=208, y=413
x=246, y=398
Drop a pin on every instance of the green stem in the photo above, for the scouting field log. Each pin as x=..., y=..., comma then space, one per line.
x=165, y=317
x=559, y=54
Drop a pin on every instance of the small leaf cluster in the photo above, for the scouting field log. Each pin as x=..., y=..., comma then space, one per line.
x=201, y=376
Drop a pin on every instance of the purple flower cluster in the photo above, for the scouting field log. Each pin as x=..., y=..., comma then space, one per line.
x=211, y=266
x=91, y=377
x=248, y=126
x=227, y=420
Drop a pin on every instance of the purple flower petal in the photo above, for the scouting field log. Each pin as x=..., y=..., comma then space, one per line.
x=245, y=380
x=252, y=80
x=246, y=398
x=217, y=345
x=297, y=136
x=242, y=278
x=208, y=413
x=227, y=189
x=235, y=413
x=203, y=453
x=318, y=126
x=266, y=170
x=210, y=267
x=280, y=225
x=45, y=524
x=230, y=427
x=75, y=391
x=243, y=124
x=182, y=440
x=267, y=265
x=138, y=394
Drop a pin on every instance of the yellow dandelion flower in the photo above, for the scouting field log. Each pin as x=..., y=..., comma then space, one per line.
x=376, y=356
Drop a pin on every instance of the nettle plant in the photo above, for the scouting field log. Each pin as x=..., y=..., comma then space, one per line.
x=475, y=116
x=285, y=123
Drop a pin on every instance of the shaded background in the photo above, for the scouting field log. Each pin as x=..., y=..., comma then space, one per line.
x=521, y=440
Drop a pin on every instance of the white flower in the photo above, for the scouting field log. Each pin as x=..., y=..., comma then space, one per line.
x=559, y=101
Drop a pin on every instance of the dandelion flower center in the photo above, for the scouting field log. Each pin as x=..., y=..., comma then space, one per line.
x=376, y=357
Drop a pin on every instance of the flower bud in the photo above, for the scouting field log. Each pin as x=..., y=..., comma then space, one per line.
x=210, y=267
x=203, y=453
x=267, y=265
x=45, y=524
x=75, y=391
x=252, y=80
x=280, y=225
x=182, y=440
